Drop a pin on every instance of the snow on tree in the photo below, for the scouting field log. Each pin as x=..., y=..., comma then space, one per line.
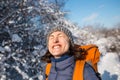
x=23, y=28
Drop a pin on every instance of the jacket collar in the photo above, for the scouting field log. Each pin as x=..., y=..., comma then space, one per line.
x=63, y=62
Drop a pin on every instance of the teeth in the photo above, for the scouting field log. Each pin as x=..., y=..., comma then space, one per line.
x=56, y=47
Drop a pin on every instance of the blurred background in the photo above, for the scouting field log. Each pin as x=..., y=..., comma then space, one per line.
x=25, y=23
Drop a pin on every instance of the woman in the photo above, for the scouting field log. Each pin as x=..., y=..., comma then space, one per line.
x=62, y=55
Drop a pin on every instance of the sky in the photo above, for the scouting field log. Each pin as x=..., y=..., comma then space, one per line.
x=93, y=12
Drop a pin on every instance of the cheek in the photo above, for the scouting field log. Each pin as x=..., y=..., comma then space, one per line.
x=66, y=47
x=66, y=43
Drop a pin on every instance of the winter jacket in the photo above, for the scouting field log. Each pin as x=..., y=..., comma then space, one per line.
x=63, y=68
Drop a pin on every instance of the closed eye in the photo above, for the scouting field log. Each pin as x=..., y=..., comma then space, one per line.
x=51, y=37
x=60, y=35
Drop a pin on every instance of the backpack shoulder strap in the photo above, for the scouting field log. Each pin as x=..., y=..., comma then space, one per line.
x=78, y=70
x=47, y=70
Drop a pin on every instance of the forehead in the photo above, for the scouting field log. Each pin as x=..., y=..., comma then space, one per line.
x=57, y=32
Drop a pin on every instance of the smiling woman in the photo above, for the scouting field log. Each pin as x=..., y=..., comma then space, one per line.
x=64, y=58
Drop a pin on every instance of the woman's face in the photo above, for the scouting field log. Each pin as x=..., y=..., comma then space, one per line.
x=58, y=43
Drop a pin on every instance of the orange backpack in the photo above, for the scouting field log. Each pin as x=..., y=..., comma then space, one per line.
x=92, y=58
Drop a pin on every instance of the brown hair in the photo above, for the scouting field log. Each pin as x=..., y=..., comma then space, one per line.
x=76, y=51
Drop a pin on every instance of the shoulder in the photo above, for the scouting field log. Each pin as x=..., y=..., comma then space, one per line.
x=88, y=68
x=89, y=72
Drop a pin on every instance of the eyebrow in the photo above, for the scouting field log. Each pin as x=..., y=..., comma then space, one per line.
x=57, y=34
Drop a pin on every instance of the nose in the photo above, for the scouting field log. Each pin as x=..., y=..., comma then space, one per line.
x=56, y=40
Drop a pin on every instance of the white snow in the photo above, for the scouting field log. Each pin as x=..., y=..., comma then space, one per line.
x=110, y=65
x=11, y=22
x=7, y=48
x=101, y=43
x=2, y=49
x=16, y=38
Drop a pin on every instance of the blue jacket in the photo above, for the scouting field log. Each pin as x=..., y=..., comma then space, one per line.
x=63, y=68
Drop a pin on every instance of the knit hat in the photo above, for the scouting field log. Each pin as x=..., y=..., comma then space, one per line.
x=62, y=29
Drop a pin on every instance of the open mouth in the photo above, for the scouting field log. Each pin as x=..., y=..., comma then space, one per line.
x=56, y=46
